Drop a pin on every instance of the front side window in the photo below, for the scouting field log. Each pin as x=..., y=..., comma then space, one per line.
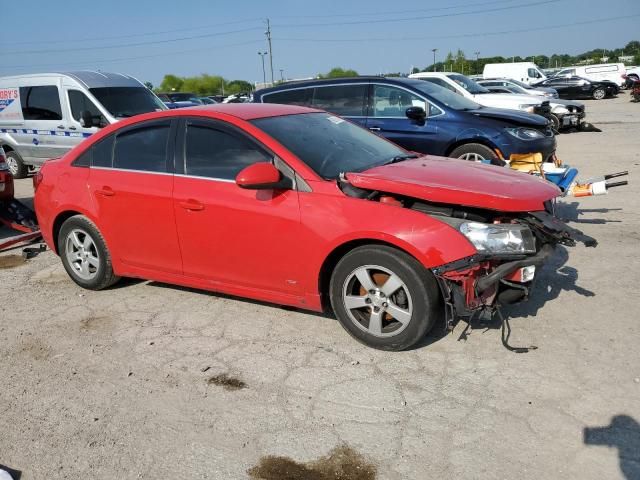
x=345, y=100
x=393, y=102
x=40, y=103
x=143, y=148
x=328, y=144
x=300, y=96
x=122, y=102
x=79, y=102
x=215, y=153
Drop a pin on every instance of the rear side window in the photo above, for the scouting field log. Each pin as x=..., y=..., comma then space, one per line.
x=300, y=97
x=143, y=148
x=40, y=103
x=102, y=153
x=346, y=100
x=219, y=154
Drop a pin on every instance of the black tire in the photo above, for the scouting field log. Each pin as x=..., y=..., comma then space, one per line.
x=555, y=122
x=599, y=93
x=104, y=276
x=17, y=168
x=420, y=284
x=475, y=149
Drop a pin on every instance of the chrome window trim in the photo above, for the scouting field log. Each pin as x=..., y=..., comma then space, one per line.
x=131, y=170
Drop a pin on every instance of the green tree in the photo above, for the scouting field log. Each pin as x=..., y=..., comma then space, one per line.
x=338, y=72
x=170, y=83
x=238, y=86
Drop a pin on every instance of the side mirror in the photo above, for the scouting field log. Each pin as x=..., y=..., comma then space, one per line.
x=262, y=176
x=86, y=119
x=416, y=113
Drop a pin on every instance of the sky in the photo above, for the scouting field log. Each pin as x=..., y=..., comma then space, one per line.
x=148, y=39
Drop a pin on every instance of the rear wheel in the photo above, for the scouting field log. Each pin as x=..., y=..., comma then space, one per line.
x=475, y=152
x=17, y=168
x=384, y=297
x=84, y=254
x=599, y=94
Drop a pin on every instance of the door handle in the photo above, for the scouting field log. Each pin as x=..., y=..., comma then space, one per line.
x=72, y=128
x=192, y=205
x=105, y=191
x=61, y=127
x=374, y=129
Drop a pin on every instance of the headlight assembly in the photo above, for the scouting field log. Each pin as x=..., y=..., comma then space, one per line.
x=560, y=109
x=528, y=107
x=523, y=133
x=499, y=238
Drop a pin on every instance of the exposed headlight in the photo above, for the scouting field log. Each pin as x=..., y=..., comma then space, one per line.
x=560, y=109
x=525, y=133
x=499, y=238
x=528, y=107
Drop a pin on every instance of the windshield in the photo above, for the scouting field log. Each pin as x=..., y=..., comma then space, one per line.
x=468, y=84
x=526, y=86
x=445, y=96
x=328, y=144
x=127, y=101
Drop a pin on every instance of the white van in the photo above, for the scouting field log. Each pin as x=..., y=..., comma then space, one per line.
x=613, y=72
x=527, y=72
x=43, y=116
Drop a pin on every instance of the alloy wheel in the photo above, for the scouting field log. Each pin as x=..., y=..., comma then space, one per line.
x=82, y=254
x=377, y=301
x=12, y=164
x=472, y=157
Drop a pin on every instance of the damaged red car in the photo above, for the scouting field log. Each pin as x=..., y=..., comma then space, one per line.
x=296, y=206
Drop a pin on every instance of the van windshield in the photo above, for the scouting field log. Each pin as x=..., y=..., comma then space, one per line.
x=330, y=145
x=445, y=96
x=123, y=102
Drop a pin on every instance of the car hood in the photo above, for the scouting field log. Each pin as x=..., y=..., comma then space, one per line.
x=506, y=100
x=512, y=116
x=458, y=182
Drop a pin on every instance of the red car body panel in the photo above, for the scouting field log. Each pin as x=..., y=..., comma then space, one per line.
x=6, y=180
x=459, y=182
x=265, y=244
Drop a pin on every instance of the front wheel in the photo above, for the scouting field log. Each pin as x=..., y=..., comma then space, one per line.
x=84, y=254
x=16, y=166
x=555, y=122
x=599, y=94
x=475, y=152
x=384, y=297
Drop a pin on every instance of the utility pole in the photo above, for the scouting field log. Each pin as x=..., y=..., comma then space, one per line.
x=477, y=61
x=264, y=75
x=268, y=34
x=434, y=50
x=282, y=74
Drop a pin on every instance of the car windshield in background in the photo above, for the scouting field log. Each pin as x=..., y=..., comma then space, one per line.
x=127, y=101
x=468, y=84
x=445, y=96
x=328, y=144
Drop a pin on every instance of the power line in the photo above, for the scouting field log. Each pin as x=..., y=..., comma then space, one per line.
x=414, y=18
x=134, y=35
x=463, y=35
x=138, y=44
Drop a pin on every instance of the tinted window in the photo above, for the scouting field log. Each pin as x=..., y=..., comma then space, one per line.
x=301, y=97
x=347, y=100
x=127, y=101
x=143, y=148
x=40, y=103
x=219, y=154
x=393, y=102
x=102, y=153
x=79, y=102
x=328, y=144
x=83, y=160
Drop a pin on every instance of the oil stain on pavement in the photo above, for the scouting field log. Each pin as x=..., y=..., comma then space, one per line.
x=228, y=383
x=342, y=463
x=11, y=261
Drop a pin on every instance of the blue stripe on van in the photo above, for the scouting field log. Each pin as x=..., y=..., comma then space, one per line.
x=56, y=133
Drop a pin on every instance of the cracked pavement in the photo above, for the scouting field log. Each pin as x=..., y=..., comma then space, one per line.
x=114, y=384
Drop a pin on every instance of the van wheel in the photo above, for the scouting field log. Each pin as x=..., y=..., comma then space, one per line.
x=475, y=152
x=84, y=254
x=599, y=94
x=17, y=168
x=384, y=297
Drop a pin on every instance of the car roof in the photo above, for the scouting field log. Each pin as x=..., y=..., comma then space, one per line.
x=243, y=111
x=338, y=81
x=90, y=78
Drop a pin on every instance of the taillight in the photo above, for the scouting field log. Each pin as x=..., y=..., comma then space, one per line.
x=3, y=160
x=37, y=179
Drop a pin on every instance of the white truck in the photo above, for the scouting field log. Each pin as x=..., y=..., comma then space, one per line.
x=527, y=72
x=613, y=72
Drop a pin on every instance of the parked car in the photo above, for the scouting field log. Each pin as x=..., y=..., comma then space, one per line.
x=557, y=111
x=238, y=98
x=578, y=87
x=207, y=100
x=612, y=72
x=526, y=72
x=564, y=113
x=514, y=86
x=422, y=117
x=302, y=208
x=632, y=76
x=44, y=115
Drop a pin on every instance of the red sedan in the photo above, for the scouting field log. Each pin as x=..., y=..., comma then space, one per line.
x=298, y=207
